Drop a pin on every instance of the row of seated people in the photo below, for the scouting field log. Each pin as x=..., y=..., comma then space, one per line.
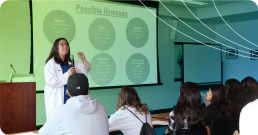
x=225, y=104
x=82, y=114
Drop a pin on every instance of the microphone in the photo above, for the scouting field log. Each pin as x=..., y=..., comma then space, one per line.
x=72, y=58
x=13, y=68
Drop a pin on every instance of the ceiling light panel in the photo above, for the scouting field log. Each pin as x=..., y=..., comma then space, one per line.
x=192, y=2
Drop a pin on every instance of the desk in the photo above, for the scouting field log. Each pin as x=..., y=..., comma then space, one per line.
x=159, y=117
x=162, y=116
x=18, y=107
x=35, y=131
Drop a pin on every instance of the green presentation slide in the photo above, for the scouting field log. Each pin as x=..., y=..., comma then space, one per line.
x=119, y=40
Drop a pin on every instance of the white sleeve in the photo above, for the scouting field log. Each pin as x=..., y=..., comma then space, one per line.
x=81, y=68
x=247, y=124
x=52, y=80
x=149, y=120
x=51, y=126
x=117, y=121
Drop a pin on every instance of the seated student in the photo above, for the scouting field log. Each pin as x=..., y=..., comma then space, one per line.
x=123, y=119
x=236, y=96
x=219, y=109
x=251, y=88
x=189, y=112
x=81, y=115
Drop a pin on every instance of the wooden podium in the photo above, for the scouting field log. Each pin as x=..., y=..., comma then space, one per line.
x=17, y=107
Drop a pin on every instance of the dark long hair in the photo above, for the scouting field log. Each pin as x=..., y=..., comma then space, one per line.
x=189, y=106
x=251, y=87
x=236, y=94
x=219, y=101
x=54, y=53
x=128, y=96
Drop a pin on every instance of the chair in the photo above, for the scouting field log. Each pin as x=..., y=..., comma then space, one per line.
x=222, y=127
x=199, y=131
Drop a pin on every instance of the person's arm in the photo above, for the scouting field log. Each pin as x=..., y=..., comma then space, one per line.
x=167, y=131
x=236, y=133
x=52, y=80
x=83, y=67
x=247, y=119
x=117, y=120
x=149, y=119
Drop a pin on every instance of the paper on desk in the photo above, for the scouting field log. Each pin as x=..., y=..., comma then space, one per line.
x=157, y=122
x=29, y=133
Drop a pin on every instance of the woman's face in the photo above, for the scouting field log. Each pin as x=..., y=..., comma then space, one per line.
x=209, y=95
x=63, y=48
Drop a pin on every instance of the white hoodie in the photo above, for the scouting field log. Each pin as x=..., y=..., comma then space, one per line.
x=126, y=122
x=81, y=115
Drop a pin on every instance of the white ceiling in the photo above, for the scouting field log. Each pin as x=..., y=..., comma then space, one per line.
x=209, y=2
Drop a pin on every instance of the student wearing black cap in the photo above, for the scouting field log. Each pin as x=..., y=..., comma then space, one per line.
x=82, y=114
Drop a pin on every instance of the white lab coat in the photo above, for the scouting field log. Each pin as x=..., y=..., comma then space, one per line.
x=55, y=81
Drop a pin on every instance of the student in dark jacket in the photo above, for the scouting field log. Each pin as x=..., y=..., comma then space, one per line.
x=189, y=112
x=219, y=109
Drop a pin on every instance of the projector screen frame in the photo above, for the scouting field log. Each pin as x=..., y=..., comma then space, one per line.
x=202, y=86
x=153, y=4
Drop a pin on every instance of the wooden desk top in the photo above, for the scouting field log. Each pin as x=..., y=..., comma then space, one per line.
x=35, y=131
x=159, y=117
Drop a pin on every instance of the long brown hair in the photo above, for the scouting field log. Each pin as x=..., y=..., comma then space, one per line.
x=129, y=97
x=219, y=101
x=236, y=95
x=251, y=87
x=54, y=53
x=189, y=107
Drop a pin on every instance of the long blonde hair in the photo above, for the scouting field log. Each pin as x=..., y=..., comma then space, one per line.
x=129, y=97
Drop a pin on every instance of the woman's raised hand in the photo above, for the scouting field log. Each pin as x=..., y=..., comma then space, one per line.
x=71, y=71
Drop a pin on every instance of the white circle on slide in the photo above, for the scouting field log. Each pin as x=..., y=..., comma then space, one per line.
x=59, y=24
x=137, y=32
x=137, y=68
x=102, y=34
x=103, y=69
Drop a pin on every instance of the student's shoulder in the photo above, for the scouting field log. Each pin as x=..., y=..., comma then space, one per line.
x=100, y=104
x=123, y=110
x=209, y=107
x=252, y=106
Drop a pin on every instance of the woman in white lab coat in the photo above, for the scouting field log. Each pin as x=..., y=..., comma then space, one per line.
x=57, y=71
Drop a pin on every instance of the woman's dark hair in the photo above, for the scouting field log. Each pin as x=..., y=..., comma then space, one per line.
x=128, y=96
x=235, y=94
x=219, y=101
x=54, y=53
x=251, y=87
x=189, y=107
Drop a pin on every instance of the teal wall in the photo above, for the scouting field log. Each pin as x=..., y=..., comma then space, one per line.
x=241, y=67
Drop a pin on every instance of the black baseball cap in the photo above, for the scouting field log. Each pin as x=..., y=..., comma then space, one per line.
x=78, y=84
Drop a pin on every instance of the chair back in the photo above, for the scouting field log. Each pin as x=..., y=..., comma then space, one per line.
x=222, y=127
x=198, y=131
